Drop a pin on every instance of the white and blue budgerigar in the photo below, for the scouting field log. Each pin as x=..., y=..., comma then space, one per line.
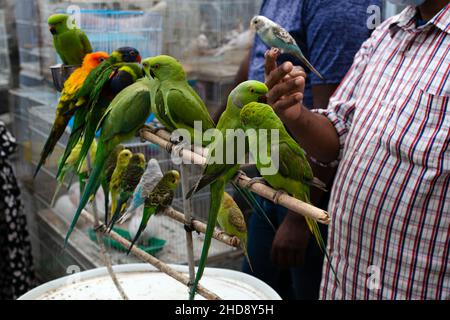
x=149, y=180
x=275, y=36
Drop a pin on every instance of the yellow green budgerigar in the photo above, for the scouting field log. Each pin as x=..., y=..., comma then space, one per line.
x=123, y=159
x=294, y=174
x=159, y=198
x=174, y=102
x=232, y=221
x=128, y=182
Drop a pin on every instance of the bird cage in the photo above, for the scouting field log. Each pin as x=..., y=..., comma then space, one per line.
x=4, y=53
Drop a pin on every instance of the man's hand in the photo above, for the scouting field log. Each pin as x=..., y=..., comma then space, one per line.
x=291, y=241
x=286, y=85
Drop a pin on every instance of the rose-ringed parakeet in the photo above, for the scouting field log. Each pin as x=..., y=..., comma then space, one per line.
x=95, y=95
x=218, y=174
x=108, y=171
x=67, y=104
x=125, y=115
x=273, y=35
x=232, y=221
x=174, y=102
x=70, y=43
x=294, y=174
x=159, y=198
x=128, y=182
x=123, y=159
x=147, y=183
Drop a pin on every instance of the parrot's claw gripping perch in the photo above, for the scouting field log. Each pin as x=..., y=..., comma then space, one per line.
x=253, y=181
x=98, y=227
x=277, y=195
x=235, y=241
x=189, y=227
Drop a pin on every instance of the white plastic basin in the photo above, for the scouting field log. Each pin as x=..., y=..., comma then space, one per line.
x=144, y=282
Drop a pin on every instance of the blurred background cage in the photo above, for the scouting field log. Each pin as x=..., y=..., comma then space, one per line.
x=5, y=69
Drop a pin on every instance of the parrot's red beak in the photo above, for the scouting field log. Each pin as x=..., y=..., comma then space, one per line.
x=139, y=59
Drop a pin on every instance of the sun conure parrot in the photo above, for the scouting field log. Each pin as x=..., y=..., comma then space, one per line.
x=70, y=43
x=123, y=159
x=148, y=181
x=128, y=183
x=174, y=102
x=108, y=171
x=98, y=90
x=125, y=115
x=160, y=198
x=70, y=166
x=232, y=221
x=294, y=174
x=67, y=103
x=217, y=175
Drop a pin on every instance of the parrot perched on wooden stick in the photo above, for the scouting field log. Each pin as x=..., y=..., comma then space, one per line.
x=232, y=221
x=96, y=94
x=125, y=115
x=128, y=182
x=71, y=43
x=147, y=183
x=67, y=104
x=218, y=174
x=159, y=198
x=123, y=159
x=294, y=174
x=174, y=102
x=273, y=35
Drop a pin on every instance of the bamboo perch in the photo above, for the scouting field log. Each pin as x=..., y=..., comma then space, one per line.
x=295, y=205
x=201, y=227
x=144, y=256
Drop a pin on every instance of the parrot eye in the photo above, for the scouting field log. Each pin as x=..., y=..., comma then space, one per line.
x=252, y=90
x=132, y=53
x=101, y=59
x=145, y=65
x=156, y=66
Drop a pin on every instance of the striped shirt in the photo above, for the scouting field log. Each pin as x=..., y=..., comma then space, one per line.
x=390, y=203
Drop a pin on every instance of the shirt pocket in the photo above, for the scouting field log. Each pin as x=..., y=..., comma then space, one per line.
x=423, y=129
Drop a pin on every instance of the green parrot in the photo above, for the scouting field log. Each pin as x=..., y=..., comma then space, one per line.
x=123, y=159
x=108, y=171
x=232, y=221
x=125, y=115
x=218, y=174
x=128, y=182
x=174, y=102
x=100, y=87
x=294, y=174
x=70, y=43
x=160, y=198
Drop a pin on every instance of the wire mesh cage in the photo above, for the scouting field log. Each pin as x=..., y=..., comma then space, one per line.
x=4, y=53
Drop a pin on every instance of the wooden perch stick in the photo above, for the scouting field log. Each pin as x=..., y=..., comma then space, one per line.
x=158, y=264
x=295, y=205
x=201, y=227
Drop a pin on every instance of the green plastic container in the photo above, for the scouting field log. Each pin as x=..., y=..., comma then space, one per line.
x=154, y=244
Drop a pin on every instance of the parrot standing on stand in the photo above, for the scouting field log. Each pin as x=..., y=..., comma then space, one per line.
x=174, y=102
x=70, y=43
x=273, y=35
x=96, y=94
x=125, y=115
x=294, y=174
x=67, y=104
x=232, y=221
x=123, y=159
x=218, y=174
x=128, y=183
x=160, y=198
x=147, y=183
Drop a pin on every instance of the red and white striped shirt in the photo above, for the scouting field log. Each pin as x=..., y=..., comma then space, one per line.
x=390, y=204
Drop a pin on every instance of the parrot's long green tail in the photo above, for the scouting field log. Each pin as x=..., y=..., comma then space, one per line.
x=148, y=212
x=252, y=202
x=75, y=136
x=53, y=138
x=217, y=191
x=105, y=189
x=91, y=187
